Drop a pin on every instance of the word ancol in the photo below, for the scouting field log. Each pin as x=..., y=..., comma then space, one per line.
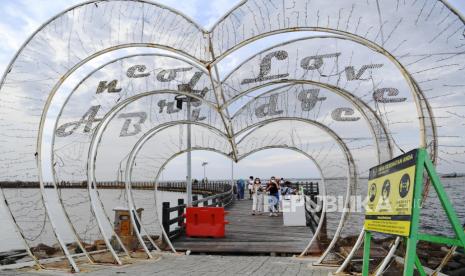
x=133, y=120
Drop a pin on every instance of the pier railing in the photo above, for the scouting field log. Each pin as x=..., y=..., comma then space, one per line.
x=312, y=210
x=223, y=198
x=211, y=187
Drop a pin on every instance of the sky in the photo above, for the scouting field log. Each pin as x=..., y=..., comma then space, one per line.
x=20, y=18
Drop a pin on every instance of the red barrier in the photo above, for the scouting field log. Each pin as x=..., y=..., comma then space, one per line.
x=205, y=222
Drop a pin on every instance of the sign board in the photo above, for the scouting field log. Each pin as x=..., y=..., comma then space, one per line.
x=390, y=196
x=392, y=189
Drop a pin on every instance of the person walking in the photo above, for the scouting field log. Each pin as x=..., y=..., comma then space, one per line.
x=273, y=200
x=250, y=186
x=257, y=196
x=240, y=189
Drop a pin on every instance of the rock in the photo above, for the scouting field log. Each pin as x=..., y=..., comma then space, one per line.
x=7, y=261
x=458, y=272
x=454, y=266
x=48, y=250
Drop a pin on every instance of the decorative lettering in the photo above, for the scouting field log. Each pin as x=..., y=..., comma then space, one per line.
x=351, y=75
x=380, y=95
x=265, y=68
x=111, y=87
x=188, y=87
x=131, y=73
x=344, y=114
x=170, y=107
x=309, y=98
x=196, y=115
x=268, y=109
x=318, y=61
x=170, y=74
x=127, y=123
x=87, y=119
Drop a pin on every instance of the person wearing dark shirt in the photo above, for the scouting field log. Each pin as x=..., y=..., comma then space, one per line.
x=273, y=189
x=240, y=189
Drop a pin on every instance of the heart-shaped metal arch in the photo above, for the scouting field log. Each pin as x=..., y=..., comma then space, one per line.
x=437, y=36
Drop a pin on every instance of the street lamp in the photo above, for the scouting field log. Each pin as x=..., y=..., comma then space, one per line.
x=204, y=165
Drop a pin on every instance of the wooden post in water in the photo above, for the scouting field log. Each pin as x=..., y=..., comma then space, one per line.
x=194, y=199
x=165, y=217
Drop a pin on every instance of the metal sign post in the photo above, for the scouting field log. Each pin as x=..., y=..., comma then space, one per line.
x=189, y=156
x=389, y=185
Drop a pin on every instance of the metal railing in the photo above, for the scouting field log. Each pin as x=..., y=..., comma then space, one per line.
x=224, y=198
x=312, y=210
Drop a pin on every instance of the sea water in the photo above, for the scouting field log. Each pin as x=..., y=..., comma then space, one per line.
x=433, y=220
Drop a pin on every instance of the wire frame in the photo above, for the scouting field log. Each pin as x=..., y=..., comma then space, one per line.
x=384, y=78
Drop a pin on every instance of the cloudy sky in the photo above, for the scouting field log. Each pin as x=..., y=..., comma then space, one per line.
x=20, y=18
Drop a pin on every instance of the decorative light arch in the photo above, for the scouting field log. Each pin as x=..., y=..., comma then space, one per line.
x=424, y=40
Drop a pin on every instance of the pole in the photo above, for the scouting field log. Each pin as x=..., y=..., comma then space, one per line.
x=232, y=173
x=189, y=156
x=366, y=254
x=204, y=167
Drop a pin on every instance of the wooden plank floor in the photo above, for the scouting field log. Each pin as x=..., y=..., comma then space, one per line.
x=250, y=234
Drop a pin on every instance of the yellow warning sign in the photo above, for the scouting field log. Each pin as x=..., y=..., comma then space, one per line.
x=390, y=195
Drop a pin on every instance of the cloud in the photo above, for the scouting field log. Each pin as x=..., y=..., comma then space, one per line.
x=205, y=13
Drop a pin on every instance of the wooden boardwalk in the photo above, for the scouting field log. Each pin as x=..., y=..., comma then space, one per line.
x=247, y=234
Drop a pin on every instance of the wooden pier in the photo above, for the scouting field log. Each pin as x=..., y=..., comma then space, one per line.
x=248, y=234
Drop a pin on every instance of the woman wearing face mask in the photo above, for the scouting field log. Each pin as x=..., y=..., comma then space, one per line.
x=257, y=196
x=273, y=189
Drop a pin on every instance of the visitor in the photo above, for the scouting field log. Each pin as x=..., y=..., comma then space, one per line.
x=280, y=197
x=240, y=189
x=257, y=196
x=250, y=186
x=273, y=199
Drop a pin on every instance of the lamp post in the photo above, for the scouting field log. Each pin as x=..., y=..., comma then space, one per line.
x=179, y=100
x=204, y=165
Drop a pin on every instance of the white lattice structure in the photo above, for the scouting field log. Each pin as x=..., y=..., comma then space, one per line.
x=365, y=81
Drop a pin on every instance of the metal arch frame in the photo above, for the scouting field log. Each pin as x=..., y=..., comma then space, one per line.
x=48, y=103
x=242, y=2
x=418, y=95
x=443, y=1
x=154, y=131
x=12, y=219
x=95, y=141
x=94, y=2
x=416, y=87
x=352, y=175
x=231, y=10
x=217, y=84
x=324, y=207
x=359, y=105
x=320, y=224
x=45, y=111
x=138, y=146
x=41, y=130
x=162, y=168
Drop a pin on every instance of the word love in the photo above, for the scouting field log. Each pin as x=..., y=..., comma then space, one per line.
x=317, y=63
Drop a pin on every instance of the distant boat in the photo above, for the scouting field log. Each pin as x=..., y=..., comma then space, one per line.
x=451, y=175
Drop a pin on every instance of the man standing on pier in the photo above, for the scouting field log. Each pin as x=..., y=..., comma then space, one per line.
x=240, y=189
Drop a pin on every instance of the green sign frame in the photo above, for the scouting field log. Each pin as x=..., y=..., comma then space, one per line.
x=423, y=163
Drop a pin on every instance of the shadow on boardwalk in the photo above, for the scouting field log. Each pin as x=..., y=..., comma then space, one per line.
x=247, y=234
